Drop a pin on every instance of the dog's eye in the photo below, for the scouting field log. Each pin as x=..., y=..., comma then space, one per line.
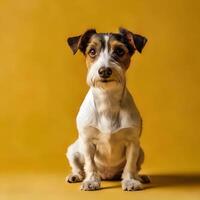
x=92, y=52
x=119, y=51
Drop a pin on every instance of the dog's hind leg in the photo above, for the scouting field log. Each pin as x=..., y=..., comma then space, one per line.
x=143, y=178
x=76, y=162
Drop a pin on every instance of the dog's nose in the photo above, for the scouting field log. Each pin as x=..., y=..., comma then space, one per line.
x=105, y=72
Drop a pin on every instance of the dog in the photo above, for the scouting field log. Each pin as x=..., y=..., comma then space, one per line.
x=108, y=122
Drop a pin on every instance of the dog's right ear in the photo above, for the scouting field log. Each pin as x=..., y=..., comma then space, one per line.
x=80, y=42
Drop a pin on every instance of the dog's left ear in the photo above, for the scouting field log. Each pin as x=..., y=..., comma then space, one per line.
x=135, y=40
x=80, y=42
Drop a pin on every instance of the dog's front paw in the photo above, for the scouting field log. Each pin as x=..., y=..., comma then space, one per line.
x=131, y=185
x=74, y=178
x=90, y=185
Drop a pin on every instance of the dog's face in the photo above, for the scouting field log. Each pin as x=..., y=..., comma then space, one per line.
x=107, y=55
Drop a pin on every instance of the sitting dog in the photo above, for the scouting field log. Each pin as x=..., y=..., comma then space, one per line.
x=108, y=122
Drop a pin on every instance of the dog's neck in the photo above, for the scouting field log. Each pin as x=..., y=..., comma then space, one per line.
x=108, y=105
x=107, y=100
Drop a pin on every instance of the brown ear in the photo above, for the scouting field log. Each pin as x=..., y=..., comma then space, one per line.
x=80, y=42
x=135, y=40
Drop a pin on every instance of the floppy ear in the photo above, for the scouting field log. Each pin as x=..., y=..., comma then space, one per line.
x=135, y=40
x=73, y=43
x=80, y=42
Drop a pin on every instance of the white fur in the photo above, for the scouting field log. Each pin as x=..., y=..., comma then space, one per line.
x=109, y=127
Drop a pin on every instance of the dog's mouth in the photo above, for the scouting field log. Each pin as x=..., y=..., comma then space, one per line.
x=106, y=80
x=105, y=83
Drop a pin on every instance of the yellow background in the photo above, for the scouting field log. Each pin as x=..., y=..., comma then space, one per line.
x=42, y=85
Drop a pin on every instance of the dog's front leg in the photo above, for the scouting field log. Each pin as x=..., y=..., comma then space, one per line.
x=130, y=180
x=92, y=180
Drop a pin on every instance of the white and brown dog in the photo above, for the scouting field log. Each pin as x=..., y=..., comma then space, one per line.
x=108, y=121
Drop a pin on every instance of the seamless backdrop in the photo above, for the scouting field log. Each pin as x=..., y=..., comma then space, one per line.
x=42, y=84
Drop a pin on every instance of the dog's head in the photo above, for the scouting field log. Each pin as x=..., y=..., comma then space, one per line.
x=107, y=55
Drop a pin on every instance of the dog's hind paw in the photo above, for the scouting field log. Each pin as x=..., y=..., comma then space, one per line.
x=90, y=185
x=131, y=185
x=74, y=178
x=145, y=179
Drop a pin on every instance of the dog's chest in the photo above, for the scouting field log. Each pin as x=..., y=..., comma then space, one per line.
x=108, y=122
x=110, y=148
x=107, y=113
x=107, y=142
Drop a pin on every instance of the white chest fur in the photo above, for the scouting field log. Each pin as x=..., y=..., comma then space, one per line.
x=107, y=104
x=108, y=111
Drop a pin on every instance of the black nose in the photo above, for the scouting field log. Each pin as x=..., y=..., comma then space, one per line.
x=105, y=72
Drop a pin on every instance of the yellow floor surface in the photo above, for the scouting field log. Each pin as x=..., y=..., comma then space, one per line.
x=28, y=186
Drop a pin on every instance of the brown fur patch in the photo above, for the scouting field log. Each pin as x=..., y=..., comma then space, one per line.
x=96, y=44
x=123, y=61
